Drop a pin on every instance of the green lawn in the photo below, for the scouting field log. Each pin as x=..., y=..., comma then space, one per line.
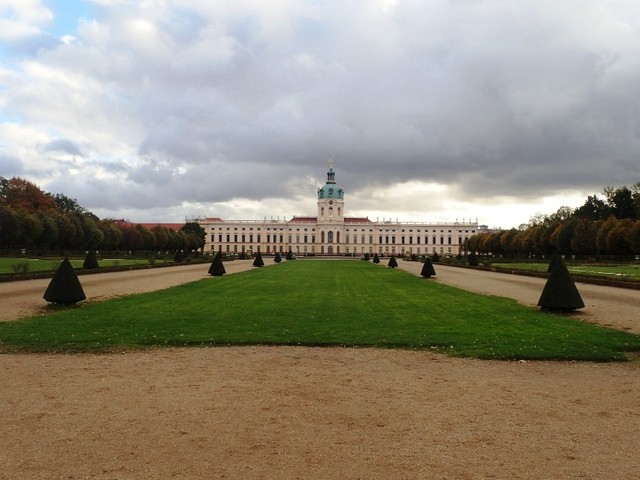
x=318, y=303
x=50, y=264
x=629, y=271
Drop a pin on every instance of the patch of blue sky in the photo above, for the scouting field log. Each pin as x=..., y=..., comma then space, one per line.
x=67, y=15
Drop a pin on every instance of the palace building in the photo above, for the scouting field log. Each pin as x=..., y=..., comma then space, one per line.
x=334, y=233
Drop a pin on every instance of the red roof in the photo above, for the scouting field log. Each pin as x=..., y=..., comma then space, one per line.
x=304, y=219
x=356, y=220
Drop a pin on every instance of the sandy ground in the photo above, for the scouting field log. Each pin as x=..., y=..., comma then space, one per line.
x=286, y=412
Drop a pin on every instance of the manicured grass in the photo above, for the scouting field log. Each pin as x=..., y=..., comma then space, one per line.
x=50, y=264
x=630, y=272
x=321, y=302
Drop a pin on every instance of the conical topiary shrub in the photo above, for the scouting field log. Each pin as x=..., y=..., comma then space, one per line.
x=258, y=262
x=289, y=255
x=376, y=259
x=90, y=261
x=217, y=268
x=277, y=258
x=392, y=262
x=560, y=293
x=473, y=259
x=435, y=258
x=427, y=268
x=64, y=288
x=553, y=262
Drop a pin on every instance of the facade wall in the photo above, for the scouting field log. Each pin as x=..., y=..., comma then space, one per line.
x=386, y=238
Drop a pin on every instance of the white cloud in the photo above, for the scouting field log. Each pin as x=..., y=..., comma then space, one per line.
x=22, y=18
x=460, y=109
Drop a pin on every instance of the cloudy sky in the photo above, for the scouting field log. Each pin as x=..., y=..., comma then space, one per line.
x=158, y=110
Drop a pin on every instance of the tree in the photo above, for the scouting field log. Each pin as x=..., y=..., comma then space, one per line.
x=617, y=242
x=67, y=205
x=24, y=195
x=10, y=227
x=161, y=236
x=199, y=233
x=509, y=241
x=111, y=234
x=621, y=201
x=633, y=238
x=217, y=268
x=64, y=288
x=50, y=234
x=593, y=209
x=583, y=240
x=93, y=234
x=560, y=239
x=603, y=232
x=560, y=293
x=427, y=268
x=30, y=228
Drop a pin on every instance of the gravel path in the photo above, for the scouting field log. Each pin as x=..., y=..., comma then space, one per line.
x=313, y=413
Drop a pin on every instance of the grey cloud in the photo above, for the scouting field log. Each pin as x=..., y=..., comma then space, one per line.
x=10, y=166
x=489, y=98
x=63, y=146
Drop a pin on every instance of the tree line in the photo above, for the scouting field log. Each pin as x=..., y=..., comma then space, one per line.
x=601, y=226
x=36, y=220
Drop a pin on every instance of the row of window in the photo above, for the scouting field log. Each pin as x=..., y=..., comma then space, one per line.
x=282, y=229
x=243, y=238
x=304, y=250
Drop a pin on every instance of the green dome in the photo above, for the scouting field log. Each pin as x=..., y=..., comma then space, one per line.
x=331, y=189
